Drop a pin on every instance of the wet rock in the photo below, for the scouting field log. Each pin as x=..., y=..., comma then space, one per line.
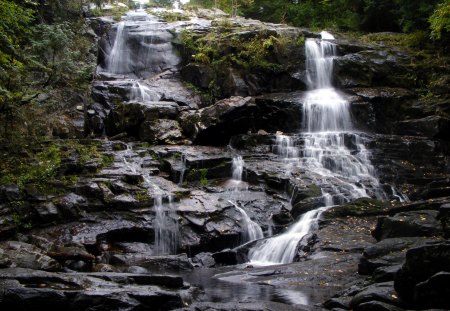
x=137, y=270
x=245, y=306
x=229, y=117
x=434, y=292
x=430, y=126
x=377, y=306
x=419, y=280
x=78, y=265
x=162, y=131
x=372, y=68
x=47, y=212
x=204, y=260
x=444, y=217
x=385, y=273
x=230, y=257
x=25, y=255
x=62, y=253
x=148, y=261
x=388, y=252
x=198, y=74
x=10, y=193
x=101, y=267
x=383, y=292
x=305, y=246
x=71, y=204
x=420, y=223
x=361, y=207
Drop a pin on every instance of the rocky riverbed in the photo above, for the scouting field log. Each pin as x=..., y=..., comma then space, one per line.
x=147, y=215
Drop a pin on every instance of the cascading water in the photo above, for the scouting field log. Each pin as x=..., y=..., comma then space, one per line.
x=165, y=224
x=343, y=174
x=118, y=61
x=142, y=47
x=142, y=93
x=251, y=230
x=237, y=168
x=166, y=227
x=183, y=168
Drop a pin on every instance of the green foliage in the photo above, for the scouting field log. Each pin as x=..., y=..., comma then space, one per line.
x=170, y=16
x=440, y=20
x=203, y=180
x=198, y=174
x=39, y=167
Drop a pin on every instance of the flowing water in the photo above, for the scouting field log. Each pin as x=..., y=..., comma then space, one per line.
x=330, y=153
x=250, y=229
x=166, y=227
x=142, y=46
x=165, y=224
x=142, y=93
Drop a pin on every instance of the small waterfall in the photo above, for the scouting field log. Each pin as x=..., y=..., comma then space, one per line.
x=237, y=168
x=319, y=63
x=282, y=248
x=252, y=231
x=142, y=93
x=166, y=227
x=118, y=61
x=284, y=147
x=165, y=224
x=335, y=158
x=183, y=168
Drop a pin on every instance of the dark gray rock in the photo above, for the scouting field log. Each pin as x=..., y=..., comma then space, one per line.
x=148, y=261
x=430, y=126
x=230, y=257
x=387, y=253
x=24, y=255
x=420, y=223
x=383, y=292
x=421, y=274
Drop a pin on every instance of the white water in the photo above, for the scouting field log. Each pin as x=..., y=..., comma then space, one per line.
x=183, y=168
x=251, y=230
x=142, y=93
x=237, y=168
x=166, y=227
x=343, y=174
x=165, y=224
x=118, y=61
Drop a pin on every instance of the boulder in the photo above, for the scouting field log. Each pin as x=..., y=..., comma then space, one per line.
x=382, y=292
x=24, y=255
x=162, y=131
x=421, y=279
x=418, y=223
x=431, y=126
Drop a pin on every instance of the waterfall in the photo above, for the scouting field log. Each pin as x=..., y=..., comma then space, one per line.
x=165, y=224
x=166, y=227
x=251, y=230
x=237, y=168
x=183, y=168
x=343, y=174
x=142, y=93
x=118, y=61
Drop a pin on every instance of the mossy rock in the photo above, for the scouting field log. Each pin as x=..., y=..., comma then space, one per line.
x=360, y=208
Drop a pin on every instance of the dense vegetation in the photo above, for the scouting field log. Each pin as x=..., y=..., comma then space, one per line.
x=432, y=16
x=47, y=56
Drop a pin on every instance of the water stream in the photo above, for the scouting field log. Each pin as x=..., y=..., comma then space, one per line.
x=251, y=230
x=343, y=173
x=165, y=224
